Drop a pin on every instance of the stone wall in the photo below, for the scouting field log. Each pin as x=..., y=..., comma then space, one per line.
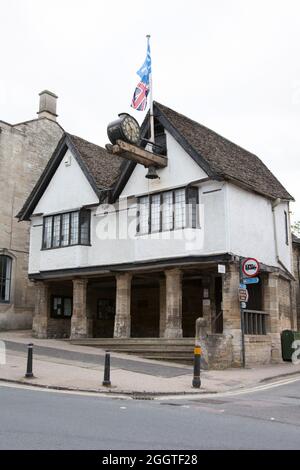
x=219, y=351
x=285, y=307
x=24, y=152
x=257, y=349
x=59, y=328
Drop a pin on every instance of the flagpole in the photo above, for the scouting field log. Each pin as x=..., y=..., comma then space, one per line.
x=152, y=138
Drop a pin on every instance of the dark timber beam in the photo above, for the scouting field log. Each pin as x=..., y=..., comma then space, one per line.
x=137, y=154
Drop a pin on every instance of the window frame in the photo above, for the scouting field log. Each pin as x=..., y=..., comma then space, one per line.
x=81, y=214
x=286, y=225
x=62, y=316
x=188, y=218
x=7, y=278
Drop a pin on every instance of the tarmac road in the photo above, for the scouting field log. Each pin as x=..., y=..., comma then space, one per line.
x=261, y=419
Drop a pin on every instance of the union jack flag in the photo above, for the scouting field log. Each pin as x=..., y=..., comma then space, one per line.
x=139, y=100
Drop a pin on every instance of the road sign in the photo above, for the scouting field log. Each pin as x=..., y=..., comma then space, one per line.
x=250, y=267
x=243, y=286
x=251, y=280
x=243, y=305
x=243, y=295
x=221, y=268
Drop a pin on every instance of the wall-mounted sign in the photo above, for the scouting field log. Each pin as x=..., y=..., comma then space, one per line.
x=205, y=293
x=243, y=295
x=251, y=280
x=250, y=267
x=221, y=269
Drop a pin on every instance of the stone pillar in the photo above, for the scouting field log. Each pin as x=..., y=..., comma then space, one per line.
x=162, y=307
x=231, y=311
x=173, y=304
x=271, y=306
x=123, y=293
x=41, y=311
x=79, y=321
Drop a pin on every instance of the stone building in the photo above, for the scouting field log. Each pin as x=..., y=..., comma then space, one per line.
x=25, y=148
x=296, y=262
x=126, y=259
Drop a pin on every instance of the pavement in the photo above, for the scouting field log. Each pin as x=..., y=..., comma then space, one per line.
x=60, y=365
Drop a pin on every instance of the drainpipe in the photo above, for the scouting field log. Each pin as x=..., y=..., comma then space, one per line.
x=274, y=205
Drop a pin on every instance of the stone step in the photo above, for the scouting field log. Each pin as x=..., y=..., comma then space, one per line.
x=132, y=341
x=180, y=352
x=146, y=347
x=174, y=350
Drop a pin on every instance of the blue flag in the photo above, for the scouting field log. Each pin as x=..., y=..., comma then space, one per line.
x=145, y=70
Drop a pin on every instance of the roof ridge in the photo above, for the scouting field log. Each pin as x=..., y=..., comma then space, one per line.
x=85, y=140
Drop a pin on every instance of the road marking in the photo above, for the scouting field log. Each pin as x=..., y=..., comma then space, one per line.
x=243, y=391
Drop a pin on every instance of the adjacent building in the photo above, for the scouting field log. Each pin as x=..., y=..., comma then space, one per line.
x=296, y=261
x=25, y=148
x=116, y=254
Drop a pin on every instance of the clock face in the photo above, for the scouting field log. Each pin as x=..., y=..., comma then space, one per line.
x=131, y=129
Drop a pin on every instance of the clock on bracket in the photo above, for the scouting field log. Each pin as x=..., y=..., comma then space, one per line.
x=125, y=128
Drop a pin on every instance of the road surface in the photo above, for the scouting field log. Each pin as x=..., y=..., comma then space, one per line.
x=263, y=419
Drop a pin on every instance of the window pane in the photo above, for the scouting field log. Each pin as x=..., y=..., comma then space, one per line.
x=57, y=306
x=144, y=215
x=56, y=231
x=179, y=209
x=85, y=227
x=167, y=211
x=74, y=227
x=192, y=207
x=5, y=278
x=67, y=307
x=47, y=232
x=155, y=213
x=65, y=229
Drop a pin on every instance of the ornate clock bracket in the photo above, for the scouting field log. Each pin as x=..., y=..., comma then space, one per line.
x=137, y=154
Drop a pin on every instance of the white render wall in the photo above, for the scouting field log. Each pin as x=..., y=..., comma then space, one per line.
x=232, y=220
x=68, y=189
x=107, y=249
x=181, y=170
x=251, y=227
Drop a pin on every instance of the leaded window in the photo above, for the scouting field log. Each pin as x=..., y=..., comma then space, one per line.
x=143, y=215
x=176, y=209
x=5, y=278
x=61, y=307
x=71, y=228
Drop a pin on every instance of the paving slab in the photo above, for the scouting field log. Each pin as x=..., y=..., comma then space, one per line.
x=59, y=364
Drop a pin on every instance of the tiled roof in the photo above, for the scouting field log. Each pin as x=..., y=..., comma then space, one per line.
x=104, y=168
x=222, y=157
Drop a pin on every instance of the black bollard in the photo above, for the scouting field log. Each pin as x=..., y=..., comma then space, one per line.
x=29, y=373
x=106, y=382
x=197, y=358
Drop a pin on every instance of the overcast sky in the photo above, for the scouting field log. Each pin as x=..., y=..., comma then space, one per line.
x=232, y=65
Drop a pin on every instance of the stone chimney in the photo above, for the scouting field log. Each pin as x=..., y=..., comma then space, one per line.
x=47, y=105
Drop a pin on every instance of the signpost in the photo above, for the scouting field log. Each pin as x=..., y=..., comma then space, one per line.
x=249, y=269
